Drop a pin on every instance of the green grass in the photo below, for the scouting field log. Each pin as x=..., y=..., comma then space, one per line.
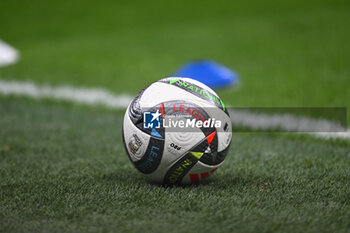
x=65, y=169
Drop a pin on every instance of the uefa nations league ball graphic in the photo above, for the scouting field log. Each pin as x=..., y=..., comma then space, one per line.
x=177, y=131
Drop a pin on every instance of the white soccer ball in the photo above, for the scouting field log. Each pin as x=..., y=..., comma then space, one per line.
x=177, y=131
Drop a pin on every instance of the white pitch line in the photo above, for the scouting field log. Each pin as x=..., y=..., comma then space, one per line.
x=88, y=96
x=98, y=96
x=333, y=135
x=284, y=122
x=8, y=54
x=320, y=128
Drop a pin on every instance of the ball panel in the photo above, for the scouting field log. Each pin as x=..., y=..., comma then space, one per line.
x=201, y=91
x=199, y=172
x=179, y=169
x=135, y=110
x=190, y=80
x=136, y=141
x=224, y=140
x=179, y=143
x=144, y=150
x=158, y=93
x=152, y=157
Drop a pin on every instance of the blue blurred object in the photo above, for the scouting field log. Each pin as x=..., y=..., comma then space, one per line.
x=208, y=72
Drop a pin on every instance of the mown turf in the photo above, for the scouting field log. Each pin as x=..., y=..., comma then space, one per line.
x=64, y=169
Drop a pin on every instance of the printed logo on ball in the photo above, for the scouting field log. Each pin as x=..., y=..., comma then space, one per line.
x=134, y=144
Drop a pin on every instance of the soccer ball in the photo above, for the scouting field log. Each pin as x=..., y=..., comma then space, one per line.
x=177, y=131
